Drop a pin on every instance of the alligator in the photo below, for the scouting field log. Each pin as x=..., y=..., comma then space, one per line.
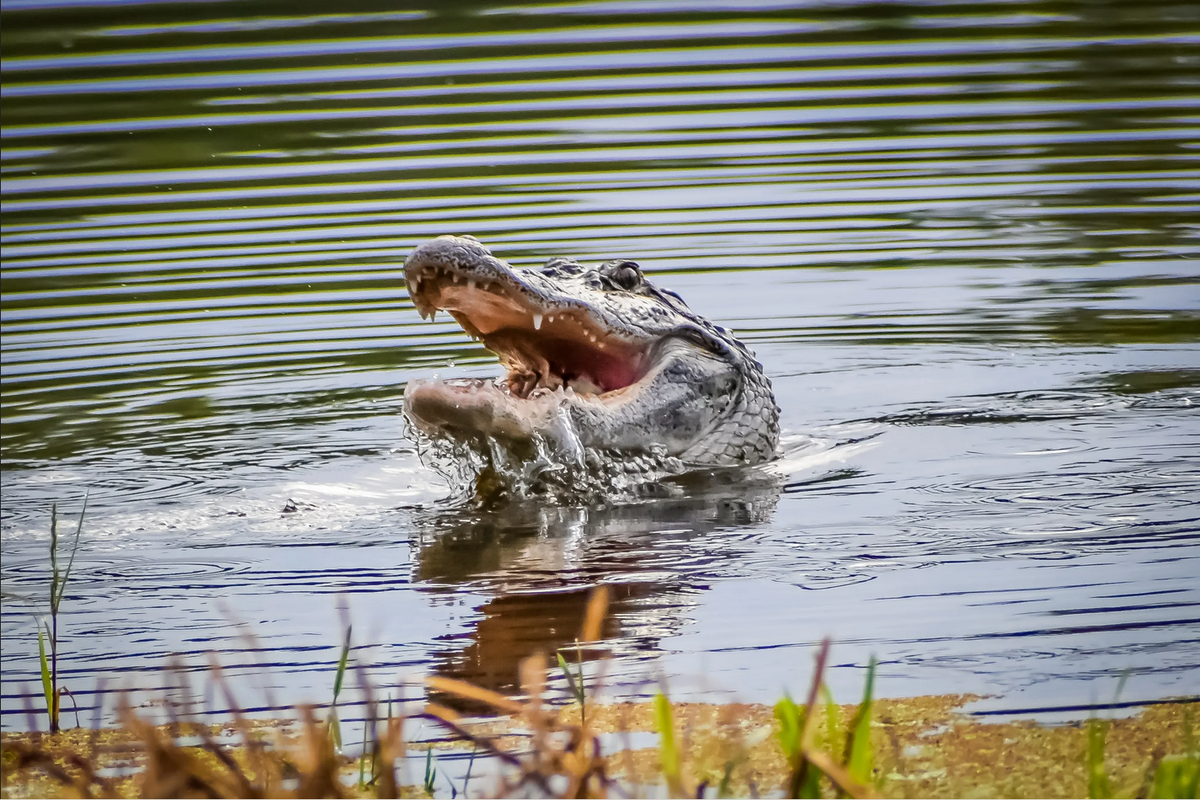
x=599, y=361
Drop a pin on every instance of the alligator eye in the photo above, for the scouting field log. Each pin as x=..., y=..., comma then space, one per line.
x=625, y=275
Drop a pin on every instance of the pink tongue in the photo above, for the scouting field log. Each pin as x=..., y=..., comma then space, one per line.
x=612, y=373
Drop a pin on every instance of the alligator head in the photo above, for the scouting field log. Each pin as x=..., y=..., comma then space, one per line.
x=596, y=357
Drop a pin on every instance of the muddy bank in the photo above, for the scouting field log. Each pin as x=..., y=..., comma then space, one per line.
x=923, y=747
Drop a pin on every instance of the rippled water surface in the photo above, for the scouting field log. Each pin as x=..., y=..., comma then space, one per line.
x=961, y=237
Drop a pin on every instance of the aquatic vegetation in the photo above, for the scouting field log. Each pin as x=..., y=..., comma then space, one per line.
x=1169, y=776
x=860, y=761
x=668, y=758
x=1098, y=783
x=430, y=773
x=921, y=748
x=1177, y=776
x=797, y=732
x=331, y=721
x=918, y=747
x=566, y=759
x=58, y=585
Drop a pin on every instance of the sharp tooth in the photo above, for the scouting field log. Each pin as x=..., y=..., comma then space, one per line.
x=417, y=285
x=433, y=315
x=470, y=284
x=550, y=318
x=456, y=277
x=583, y=385
x=537, y=322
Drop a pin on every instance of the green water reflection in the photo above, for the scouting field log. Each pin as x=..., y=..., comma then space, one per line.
x=961, y=233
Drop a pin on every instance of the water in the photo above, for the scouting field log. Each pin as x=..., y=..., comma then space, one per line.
x=961, y=237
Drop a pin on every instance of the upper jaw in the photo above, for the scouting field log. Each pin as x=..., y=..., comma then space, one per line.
x=450, y=260
x=544, y=338
x=459, y=274
x=463, y=261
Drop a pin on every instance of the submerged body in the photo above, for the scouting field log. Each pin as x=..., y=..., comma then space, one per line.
x=600, y=364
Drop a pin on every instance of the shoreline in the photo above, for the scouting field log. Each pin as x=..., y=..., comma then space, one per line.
x=923, y=747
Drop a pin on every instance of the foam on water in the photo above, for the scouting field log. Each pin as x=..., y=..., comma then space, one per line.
x=555, y=467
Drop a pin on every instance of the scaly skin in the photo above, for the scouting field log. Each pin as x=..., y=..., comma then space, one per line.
x=599, y=360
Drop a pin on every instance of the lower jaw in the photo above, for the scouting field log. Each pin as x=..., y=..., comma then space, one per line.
x=466, y=408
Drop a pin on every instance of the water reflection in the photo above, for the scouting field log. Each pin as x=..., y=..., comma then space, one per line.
x=965, y=229
x=537, y=564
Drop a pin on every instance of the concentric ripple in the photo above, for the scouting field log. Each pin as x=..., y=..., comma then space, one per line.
x=961, y=237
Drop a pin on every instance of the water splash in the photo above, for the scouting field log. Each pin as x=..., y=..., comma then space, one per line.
x=556, y=467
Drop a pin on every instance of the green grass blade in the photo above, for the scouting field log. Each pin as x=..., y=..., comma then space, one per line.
x=576, y=683
x=860, y=762
x=1124, y=679
x=62, y=585
x=341, y=668
x=430, y=772
x=791, y=723
x=668, y=750
x=805, y=781
x=811, y=788
x=1177, y=777
x=1098, y=783
x=335, y=728
x=54, y=558
x=47, y=686
x=582, y=694
x=723, y=790
x=834, y=738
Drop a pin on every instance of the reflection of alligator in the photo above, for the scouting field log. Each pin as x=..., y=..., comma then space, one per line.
x=600, y=362
x=536, y=564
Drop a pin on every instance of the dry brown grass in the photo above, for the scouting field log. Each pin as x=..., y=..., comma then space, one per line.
x=923, y=747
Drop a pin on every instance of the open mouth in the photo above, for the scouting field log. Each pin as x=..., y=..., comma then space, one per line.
x=542, y=345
